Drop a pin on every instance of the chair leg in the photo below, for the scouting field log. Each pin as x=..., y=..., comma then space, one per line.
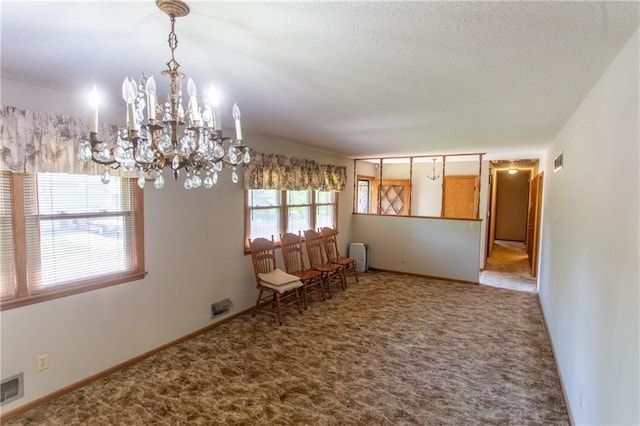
x=304, y=296
x=343, y=279
x=277, y=296
x=322, y=290
x=326, y=279
x=355, y=273
x=255, y=310
x=298, y=299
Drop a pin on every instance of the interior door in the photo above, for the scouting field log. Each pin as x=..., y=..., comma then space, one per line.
x=531, y=220
x=537, y=214
x=460, y=197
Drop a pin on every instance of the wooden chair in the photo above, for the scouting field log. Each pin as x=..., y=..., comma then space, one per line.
x=330, y=271
x=294, y=264
x=333, y=255
x=263, y=255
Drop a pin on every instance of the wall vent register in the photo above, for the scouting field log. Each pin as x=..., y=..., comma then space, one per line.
x=11, y=388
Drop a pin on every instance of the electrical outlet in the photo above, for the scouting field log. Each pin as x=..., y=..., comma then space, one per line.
x=42, y=362
x=403, y=259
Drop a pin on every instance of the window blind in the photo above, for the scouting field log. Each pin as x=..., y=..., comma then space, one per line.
x=7, y=258
x=77, y=229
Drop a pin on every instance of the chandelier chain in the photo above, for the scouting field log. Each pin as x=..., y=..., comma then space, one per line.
x=173, y=44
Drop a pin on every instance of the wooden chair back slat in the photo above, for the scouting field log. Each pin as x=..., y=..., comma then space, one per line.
x=292, y=252
x=330, y=243
x=263, y=255
x=314, y=248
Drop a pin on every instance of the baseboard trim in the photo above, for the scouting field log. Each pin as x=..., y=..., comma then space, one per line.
x=453, y=280
x=4, y=417
x=555, y=360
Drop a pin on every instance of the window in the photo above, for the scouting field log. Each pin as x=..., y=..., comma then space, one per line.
x=64, y=234
x=266, y=213
x=363, y=195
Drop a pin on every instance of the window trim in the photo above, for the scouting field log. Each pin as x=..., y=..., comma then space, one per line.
x=22, y=296
x=284, y=217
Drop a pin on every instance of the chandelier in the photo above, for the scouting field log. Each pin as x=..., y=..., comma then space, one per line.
x=433, y=175
x=168, y=141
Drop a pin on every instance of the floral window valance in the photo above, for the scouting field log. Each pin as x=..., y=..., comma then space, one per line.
x=274, y=171
x=35, y=142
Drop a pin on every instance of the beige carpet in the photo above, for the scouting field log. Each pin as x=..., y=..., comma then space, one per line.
x=392, y=350
x=508, y=267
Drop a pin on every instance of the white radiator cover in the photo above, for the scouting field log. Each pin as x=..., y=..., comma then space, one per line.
x=360, y=252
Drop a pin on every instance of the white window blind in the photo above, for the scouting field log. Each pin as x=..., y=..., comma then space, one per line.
x=77, y=229
x=7, y=258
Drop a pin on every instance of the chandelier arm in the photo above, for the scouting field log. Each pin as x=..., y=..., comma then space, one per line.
x=104, y=163
x=94, y=142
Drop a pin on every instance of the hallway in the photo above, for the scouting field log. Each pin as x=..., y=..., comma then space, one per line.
x=508, y=267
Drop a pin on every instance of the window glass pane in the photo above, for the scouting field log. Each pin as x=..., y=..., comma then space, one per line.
x=77, y=229
x=7, y=258
x=395, y=186
x=75, y=249
x=426, y=186
x=298, y=197
x=363, y=196
x=264, y=197
x=80, y=195
x=264, y=223
x=299, y=219
x=324, y=216
x=325, y=197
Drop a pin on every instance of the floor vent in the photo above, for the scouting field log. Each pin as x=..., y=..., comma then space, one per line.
x=221, y=307
x=11, y=388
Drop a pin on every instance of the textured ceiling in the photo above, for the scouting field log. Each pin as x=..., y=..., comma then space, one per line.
x=357, y=78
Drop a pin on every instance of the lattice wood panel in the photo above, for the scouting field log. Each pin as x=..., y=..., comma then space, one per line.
x=392, y=199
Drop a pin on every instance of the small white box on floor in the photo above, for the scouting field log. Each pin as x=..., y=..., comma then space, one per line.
x=360, y=252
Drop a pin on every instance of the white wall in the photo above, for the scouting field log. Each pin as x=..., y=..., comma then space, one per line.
x=194, y=257
x=426, y=199
x=589, y=274
x=437, y=247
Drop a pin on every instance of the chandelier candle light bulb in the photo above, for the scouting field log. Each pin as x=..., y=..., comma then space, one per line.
x=236, y=117
x=151, y=97
x=94, y=103
x=147, y=149
x=193, y=102
x=214, y=98
x=129, y=94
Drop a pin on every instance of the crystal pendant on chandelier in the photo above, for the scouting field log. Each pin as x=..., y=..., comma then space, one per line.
x=171, y=137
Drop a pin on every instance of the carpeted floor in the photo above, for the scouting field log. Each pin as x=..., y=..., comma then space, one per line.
x=508, y=267
x=392, y=350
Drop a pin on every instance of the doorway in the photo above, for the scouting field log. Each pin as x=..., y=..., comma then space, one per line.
x=513, y=226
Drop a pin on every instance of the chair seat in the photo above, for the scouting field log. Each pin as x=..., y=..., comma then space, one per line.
x=281, y=288
x=327, y=267
x=344, y=261
x=307, y=274
x=277, y=277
